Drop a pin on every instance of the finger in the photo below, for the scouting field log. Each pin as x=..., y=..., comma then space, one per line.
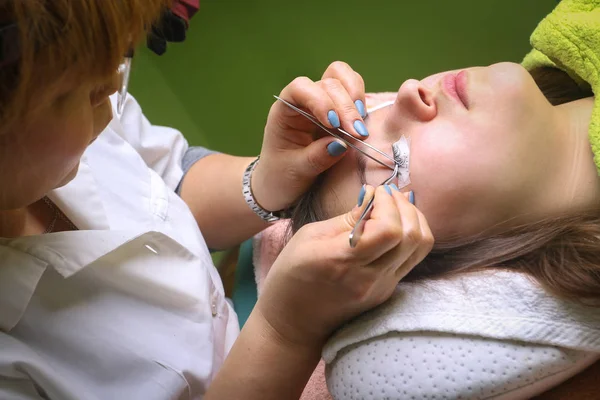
x=411, y=237
x=306, y=94
x=383, y=230
x=341, y=226
x=352, y=82
x=331, y=237
x=351, y=120
x=423, y=249
x=320, y=155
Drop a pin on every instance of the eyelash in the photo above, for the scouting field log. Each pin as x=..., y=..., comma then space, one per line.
x=400, y=159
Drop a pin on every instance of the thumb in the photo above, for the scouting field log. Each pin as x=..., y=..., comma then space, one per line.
x=321, y=155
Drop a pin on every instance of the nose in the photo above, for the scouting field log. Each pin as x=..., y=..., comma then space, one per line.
x=416, y=101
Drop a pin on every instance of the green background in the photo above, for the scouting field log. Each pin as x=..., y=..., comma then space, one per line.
x=217, y=86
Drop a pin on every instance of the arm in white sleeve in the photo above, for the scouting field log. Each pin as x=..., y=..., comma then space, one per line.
x=212, y=187
x=16, y=383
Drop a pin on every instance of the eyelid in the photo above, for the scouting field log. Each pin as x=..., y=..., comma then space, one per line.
x=401, y=155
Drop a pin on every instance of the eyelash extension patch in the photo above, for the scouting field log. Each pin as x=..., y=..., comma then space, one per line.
x=401, y=154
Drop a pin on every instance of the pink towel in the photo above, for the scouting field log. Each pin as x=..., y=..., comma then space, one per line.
x=267, y=246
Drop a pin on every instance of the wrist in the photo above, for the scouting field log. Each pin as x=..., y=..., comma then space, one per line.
x=265, y=197
x=292, y=342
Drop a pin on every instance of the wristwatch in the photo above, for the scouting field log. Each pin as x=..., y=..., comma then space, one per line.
x=267, y=216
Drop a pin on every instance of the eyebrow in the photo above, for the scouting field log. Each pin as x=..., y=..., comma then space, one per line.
x=361, y=159
x=361, y=167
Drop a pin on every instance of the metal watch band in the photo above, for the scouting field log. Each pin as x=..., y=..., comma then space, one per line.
x=268, y=216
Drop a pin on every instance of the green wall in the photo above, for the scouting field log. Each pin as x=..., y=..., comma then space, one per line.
x=217, y=87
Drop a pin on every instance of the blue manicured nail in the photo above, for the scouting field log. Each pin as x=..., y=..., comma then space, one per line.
x=360, y=106
x=411, y=197
x=361, y=128
x=388, y=189
x=335, y=149
x=393, y=185
x=361, y=195
x=333, y=118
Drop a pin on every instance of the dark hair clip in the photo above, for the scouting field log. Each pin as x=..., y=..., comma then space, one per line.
x=9, y=44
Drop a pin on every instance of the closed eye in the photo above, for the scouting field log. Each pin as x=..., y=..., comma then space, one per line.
x=399, y=158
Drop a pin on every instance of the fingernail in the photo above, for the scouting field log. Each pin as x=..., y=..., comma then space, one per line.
x=333, y=118
x=361, y=195
x=336, y=148
x=361, y=128
x=360, y=106
x=393, y=185
x=388, y=189
x=411, y=197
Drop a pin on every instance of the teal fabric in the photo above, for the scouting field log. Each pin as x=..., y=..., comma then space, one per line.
x=244, y=293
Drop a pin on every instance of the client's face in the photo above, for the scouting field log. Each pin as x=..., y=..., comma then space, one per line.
x=486, y=147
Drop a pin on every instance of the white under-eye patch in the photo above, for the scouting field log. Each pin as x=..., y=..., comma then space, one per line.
x=401, y=154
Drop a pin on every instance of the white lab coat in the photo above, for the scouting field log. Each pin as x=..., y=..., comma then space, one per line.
x=131, y=305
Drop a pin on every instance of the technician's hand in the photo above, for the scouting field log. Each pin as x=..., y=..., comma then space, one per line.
x=318, y=282
x=294, y=150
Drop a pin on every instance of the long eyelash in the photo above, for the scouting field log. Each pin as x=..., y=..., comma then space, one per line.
x=401, y=159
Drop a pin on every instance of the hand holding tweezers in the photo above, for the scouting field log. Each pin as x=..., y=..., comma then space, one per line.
x=365, y=149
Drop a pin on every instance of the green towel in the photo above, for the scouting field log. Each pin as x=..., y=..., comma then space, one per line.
x=569, y=39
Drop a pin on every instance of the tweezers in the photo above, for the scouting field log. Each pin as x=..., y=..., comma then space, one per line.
x=343, y=137
x=360, y=224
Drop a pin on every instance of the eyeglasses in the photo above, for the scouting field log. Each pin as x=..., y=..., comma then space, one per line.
x=124, y=70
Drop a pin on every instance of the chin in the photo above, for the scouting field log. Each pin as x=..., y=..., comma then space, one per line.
x=68, y=178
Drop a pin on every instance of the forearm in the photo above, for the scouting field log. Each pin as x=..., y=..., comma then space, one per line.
x=262, y=366
x=212, y=188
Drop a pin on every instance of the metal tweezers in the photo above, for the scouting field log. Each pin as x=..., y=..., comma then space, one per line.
x=344, y=137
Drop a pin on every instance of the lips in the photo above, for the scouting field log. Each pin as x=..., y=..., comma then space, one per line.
x=455, y=86
x=461, y=87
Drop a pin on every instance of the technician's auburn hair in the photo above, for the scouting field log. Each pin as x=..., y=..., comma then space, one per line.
x=66, y=41
x=562, y=252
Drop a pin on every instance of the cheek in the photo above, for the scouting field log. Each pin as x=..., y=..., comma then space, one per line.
x=460, y=156
x=453, y=180
x=102, y=117
x=438, y=155
x=75, y=135
x=58, y=144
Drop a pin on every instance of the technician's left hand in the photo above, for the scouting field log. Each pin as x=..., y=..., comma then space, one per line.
x=294, y=150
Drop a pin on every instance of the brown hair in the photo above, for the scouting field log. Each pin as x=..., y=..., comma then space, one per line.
x=85, y=39
x=562, y=253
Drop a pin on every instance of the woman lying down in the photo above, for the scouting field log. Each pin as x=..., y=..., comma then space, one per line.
x=507, y=305
x=507, y=181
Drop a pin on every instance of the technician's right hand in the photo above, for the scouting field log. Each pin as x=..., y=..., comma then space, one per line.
x=318, y=282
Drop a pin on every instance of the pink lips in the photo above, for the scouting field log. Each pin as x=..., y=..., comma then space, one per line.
x=455, y=86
